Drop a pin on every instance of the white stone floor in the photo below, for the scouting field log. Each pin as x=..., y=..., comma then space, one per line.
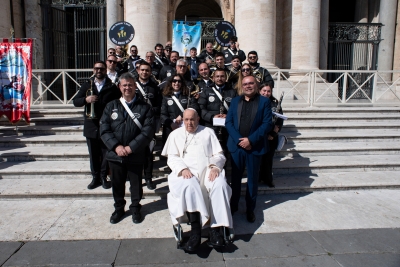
x=83, y=219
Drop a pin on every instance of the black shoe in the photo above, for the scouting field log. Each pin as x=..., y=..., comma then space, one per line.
x=251, y=217
x=106, y=184
x=94, y=184
x=116, y=217
x=215, y=238
x=136, y=217
x=150, y=184
x=193, y=242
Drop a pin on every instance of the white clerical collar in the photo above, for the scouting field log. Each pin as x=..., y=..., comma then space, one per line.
x=193, y=132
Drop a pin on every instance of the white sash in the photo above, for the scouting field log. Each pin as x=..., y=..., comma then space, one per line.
x=220, y=98
x=230, y=51
x=177, y=103
x=159, y=60
x=143, y=93
x=122, y=100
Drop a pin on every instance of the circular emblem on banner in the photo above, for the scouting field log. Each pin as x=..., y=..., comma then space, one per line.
x=170, y=102
x=223, y=33
x=211, y=99
x=121, y=33
x=114, y=116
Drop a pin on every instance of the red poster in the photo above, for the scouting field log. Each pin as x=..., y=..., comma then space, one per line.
x=15, y=80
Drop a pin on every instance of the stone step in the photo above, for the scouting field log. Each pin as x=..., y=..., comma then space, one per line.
x=42, y=130
x=335, y=110
x=78, y=153
x=320, y=118
x=285, y=165
x=56, y=112
x=58, y=120
x=294, y=183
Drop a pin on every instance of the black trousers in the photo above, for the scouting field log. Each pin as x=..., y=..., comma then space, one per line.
x=97, y=154
x=148, y=165
x=267, y=161
x=165, y=133
x=120, y=172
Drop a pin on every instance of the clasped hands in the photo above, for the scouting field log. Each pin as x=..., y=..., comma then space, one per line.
x=245, y=143
x=214, y=173
x=123, y=151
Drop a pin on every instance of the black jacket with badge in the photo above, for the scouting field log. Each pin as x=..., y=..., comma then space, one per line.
x=230, y=53
x=108, y=93
x=153, y=94
x=262, y=74
x=118, y=128
x=279, y=121
x=205, y=56
x=210, y=103
x=170, y=110
x=167, y=71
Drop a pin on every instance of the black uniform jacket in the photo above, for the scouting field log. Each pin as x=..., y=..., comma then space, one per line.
x=265, y=75
x=167, y=71
x=210, y=104
x=170, y=110
x=108, y=93
x=228, y=55
x=118, y=128
x=279, y=121
x=204, y=55
x=153, y=94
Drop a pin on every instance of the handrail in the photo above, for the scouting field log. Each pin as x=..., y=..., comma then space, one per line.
x=301, y=86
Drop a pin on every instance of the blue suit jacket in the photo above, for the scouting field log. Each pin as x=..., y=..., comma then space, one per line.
x=261, y=117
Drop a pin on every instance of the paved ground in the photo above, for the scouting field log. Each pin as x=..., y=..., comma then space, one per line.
x=335, y=248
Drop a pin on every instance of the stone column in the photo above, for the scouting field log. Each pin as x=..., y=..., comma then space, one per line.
x=33, y=29
x=5, y=25
x=387, y=16
x=149, y=18
x=112, y=17
x=324, y=29
x=305, y=34
x=255, y=27
x=396, y=57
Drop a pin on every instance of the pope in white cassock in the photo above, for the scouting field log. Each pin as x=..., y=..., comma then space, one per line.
x=197, y=183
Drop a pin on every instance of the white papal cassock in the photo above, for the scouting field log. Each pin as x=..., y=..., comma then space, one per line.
x=197, y=151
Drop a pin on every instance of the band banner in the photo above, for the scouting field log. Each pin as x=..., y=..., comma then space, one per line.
x=185, y=37
x=15, y=79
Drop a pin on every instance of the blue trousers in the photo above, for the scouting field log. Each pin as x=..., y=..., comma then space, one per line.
x=241, y=159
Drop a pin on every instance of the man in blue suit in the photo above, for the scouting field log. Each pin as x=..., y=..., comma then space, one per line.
x=248, y=121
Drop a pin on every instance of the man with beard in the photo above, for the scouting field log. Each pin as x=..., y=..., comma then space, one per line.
x=103, y=91
x=155, y=69
x=169, y=70
x=193, y=62
x=130, y=63
x=161, y=60
x=208, y=55
x=233, y=50
x=150, y=93
x=262, y=74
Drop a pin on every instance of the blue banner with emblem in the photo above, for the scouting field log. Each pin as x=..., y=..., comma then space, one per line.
x=185, y=37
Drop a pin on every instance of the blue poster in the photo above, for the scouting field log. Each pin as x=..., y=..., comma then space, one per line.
x=185, y=37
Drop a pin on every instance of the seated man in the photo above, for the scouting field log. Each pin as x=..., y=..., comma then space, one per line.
x=197, y=183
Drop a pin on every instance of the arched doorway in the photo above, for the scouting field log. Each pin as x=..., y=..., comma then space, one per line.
x=208, y=12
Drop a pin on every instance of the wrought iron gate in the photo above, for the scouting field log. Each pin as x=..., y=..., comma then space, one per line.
x=207, y=30
x=74, y=36
x=354, y=46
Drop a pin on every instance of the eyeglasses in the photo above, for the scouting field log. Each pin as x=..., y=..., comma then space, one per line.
x=111, y=53
x=99, y=69
x=252, y=57
x=245, y=84
x=133, y=51
x=176, y=81
x=113, y=62
x=246, y=70
x=181, y=66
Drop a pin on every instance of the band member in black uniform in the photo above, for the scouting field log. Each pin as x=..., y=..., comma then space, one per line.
x=262, y=74
x=219, y=64
x=94, y=95
x=234, y=71
x=130, y=62
x=181, y=68
x=167, y=53
x=193, y=62
x=150, y=93
x=112, y=72
x=204, y=80
x=233, y=50
x=155, y=69
x=175, y=100
x=268, y=158
x=169, y=70
x=127, y=128
x=208, y=55
x=161, y=60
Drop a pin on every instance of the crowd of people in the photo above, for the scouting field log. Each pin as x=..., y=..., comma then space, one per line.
x=216, y=115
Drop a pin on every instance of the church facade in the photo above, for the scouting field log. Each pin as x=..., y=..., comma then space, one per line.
x=287, y=34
